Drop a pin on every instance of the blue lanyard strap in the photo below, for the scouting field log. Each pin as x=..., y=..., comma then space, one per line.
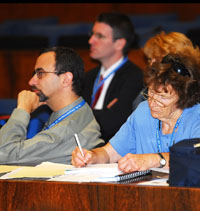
x=158, y=140
x=66, y=114
x=97, y=85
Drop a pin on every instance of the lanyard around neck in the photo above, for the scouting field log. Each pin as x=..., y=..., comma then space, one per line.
x=97, y=85
x=72, y=110
x=172, y=136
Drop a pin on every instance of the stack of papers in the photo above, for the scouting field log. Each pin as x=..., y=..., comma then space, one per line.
x=98, y=173
x=61, y=172
x=90, y=173
x=102, y=169
x=93, y=173
x=44, y=170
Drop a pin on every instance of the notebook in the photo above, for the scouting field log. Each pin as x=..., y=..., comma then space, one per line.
x=101, y=173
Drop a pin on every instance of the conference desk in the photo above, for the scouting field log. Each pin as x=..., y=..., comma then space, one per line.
x=34, y=195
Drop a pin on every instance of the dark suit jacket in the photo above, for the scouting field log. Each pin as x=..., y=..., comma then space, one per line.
x=125, y=86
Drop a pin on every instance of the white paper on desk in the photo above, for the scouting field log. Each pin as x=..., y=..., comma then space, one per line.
x=44, y=170
x=90, y=173
x=76, y=178
x=51, y=165
x=109, y=169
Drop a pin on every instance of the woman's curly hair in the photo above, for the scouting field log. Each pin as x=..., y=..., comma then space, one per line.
x=180, y=70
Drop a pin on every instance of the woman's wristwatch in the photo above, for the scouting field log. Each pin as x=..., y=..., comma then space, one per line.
x=162, y=160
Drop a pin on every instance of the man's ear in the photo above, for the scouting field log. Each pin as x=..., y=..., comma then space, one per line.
x=120, y=43
x=68, y=77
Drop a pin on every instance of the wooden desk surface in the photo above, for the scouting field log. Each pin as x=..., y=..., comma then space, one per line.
x=17, y=195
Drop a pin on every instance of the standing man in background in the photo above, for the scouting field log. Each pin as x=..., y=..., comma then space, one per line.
x=117, y=78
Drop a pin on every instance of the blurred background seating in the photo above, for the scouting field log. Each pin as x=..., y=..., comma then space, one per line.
x=23, y=42
x=38, y=117
x=55, y=31
x=27, y=28
x=6, y=108
x=146, y=20
x=194, y=35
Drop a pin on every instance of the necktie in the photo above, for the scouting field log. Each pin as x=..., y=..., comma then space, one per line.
x=97, y=93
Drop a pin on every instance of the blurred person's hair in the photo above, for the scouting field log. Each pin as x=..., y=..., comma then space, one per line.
x=163, y=44
x=122, y=28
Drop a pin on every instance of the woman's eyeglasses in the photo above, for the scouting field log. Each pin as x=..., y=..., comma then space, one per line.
x=177, y=66
x=147, y=96
x=161, y=100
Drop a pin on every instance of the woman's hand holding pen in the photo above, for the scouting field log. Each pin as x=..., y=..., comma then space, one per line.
x=78, y=160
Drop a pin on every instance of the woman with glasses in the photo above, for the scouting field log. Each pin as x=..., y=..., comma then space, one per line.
x=159, y=46
x=170, y=114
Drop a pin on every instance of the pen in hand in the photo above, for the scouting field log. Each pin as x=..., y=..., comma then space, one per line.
x=79, y=145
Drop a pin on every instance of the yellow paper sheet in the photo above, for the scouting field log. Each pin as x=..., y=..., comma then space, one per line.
x=5, y=168
x=36, y=172
x=44, y=170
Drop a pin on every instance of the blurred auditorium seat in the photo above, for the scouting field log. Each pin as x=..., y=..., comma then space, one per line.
x=38, y=117
x=54, y=32
x=23, y=42
x=194, y=35
x=74, y=41
x=6, y=108
x=147, y=20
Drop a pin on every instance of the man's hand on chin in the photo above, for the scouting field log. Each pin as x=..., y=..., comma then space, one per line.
x=28, y=101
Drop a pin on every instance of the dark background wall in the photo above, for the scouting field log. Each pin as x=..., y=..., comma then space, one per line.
x=17, y=65
x=69, y=13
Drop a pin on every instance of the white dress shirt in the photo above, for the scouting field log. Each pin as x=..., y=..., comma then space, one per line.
x=104, y=73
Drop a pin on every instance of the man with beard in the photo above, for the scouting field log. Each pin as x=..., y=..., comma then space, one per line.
x=57, y=83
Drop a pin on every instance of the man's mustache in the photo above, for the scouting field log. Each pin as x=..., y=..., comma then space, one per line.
x=34, y=88
x=41, y=95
